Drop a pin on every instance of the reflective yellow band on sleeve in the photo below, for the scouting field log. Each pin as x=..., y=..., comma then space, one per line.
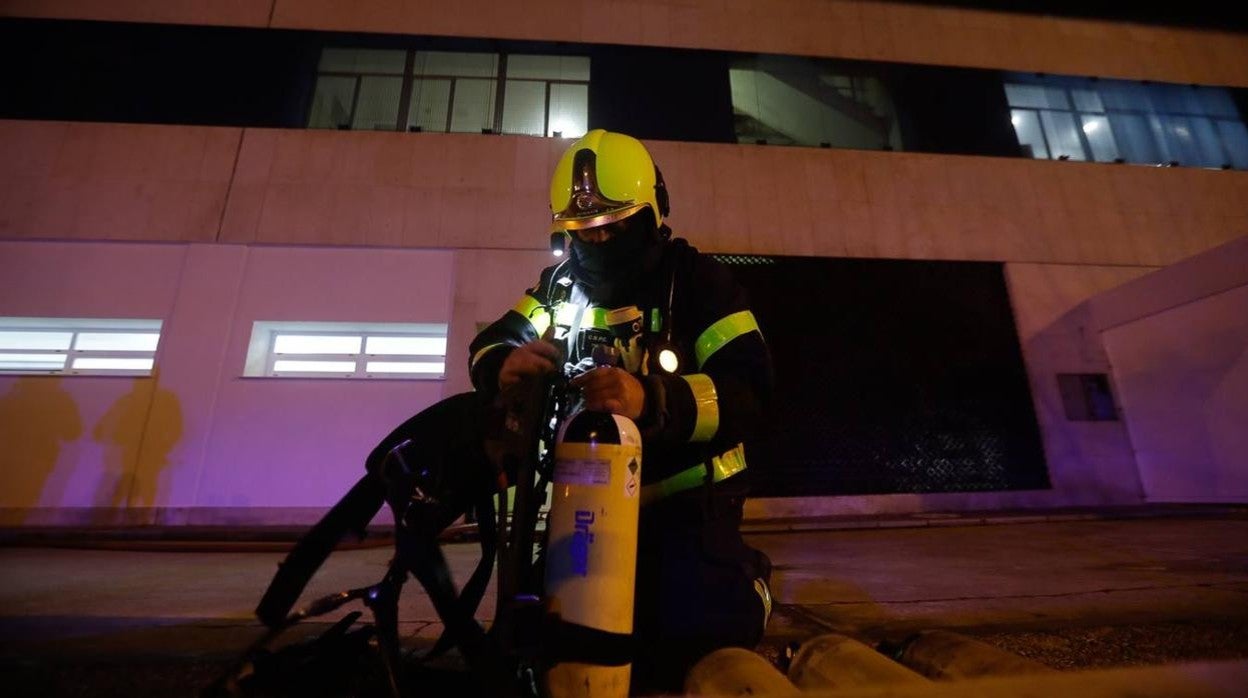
x=565, y=316
x=722, y=467
x=707, y=403
x=723, y=331
x=531, y=309
x=482, y=352
x=597, y=317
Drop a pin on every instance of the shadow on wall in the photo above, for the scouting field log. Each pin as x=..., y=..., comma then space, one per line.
x=138, y=433
x=37, y=417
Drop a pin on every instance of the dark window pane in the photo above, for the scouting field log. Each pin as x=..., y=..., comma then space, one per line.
x=1086, y=397
x=524, y=107
x=1215, y=101
x=377, y=108
x=445, y=63
x=548, y=67
x=1059, y=128
x=1235, y=137
x=473, y=107
x=1208, y=143
x=431, y=99
x=1135, y=138
x=798, y=101
x=331, y=103
x=1100, y=137
x=1036, y=96
x=359, y=60
x=569, y=110
x=1027, y=126
x=1087, y=100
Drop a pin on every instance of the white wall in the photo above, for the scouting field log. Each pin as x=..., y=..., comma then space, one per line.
x=198, y=437
x=1178, y=344
x=318, y=224
x=74, y=441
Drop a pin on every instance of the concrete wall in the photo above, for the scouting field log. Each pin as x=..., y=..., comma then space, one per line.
x=197, y=437
x=859, y=29
x=212, y=228
x=75, y=441
x=114, y=181
x=1178, y=343
x=249, y=217
x=73, y=181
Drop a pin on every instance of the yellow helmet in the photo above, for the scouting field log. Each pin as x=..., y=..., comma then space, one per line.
x=602, y=178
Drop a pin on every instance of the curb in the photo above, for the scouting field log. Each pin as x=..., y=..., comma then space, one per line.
x=989, y=518
x=280, y=538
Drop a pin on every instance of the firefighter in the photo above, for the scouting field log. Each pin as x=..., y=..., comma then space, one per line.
x=661, y=334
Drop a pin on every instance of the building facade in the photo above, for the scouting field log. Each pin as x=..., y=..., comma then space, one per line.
x=216, y=182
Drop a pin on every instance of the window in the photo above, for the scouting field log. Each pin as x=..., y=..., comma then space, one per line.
x=453, y=92
x=78, y=346
x=347, y=350
x=1064, y=118
x=787, y=100
x=1086, y=397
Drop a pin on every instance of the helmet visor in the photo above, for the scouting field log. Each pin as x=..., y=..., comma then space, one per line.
x=588, y=206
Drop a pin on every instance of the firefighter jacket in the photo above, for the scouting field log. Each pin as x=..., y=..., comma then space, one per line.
x=696, y=417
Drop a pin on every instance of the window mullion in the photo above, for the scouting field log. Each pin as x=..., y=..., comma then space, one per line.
x=450, y=104
x=501, y=77
x=355, y=102
x=270, y=368
x=405, y=92
x=1044, y=134
x=546, y=112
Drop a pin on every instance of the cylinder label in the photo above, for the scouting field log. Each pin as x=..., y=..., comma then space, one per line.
x=582, y=471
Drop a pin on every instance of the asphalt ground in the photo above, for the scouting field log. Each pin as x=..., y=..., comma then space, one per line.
x=1075, y=590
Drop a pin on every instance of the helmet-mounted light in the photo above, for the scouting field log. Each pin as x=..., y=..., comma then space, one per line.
x=558, y=244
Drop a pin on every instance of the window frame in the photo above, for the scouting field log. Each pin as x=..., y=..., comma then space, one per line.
x=1153, y=117
x=409, y=77
x=262, y=355
x=77, y=327
x=852, y=84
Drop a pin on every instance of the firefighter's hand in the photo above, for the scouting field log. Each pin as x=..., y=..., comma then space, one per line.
x=610, y=389
x=536, y=358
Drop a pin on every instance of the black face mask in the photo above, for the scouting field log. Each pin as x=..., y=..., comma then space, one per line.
x=614, y=269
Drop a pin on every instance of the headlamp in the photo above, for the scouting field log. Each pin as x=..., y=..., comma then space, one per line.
x=558, y=243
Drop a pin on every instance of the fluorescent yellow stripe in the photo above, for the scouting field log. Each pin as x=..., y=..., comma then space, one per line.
x=530, y=309
x=723, y=331
x=723, y=466
x=707, y=403
x=482, y=352
x=565, y=316
x=596, y=317
x=728, y=463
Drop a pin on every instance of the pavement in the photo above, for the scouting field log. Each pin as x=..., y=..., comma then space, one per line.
x=123, y=614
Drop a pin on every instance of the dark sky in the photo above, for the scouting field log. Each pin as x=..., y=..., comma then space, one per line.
x=1211, y=14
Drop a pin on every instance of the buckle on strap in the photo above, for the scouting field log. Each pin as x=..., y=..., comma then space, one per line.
x=721, y=467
